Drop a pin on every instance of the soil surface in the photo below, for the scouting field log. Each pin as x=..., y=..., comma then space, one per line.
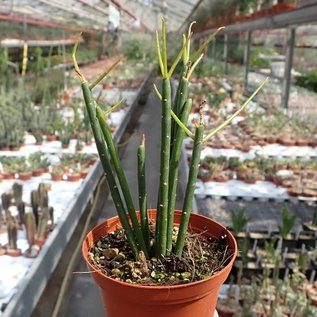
x=202, y=257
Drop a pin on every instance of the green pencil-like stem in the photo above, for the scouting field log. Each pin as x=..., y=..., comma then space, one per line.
x=104, y=157
x=164, y=48
x=122, y=179
x=103, y=75
x=114, y=107
x=204, y=45
x=180, y=99
x=181, y=96
x=102, y=151
x=164, y=168
x=190, y=189
x=143, y=193
x=173, y=176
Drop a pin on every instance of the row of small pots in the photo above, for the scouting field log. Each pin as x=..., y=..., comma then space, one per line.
x=55, y=177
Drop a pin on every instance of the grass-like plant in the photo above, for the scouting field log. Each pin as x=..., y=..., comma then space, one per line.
x=288, y=222
x=239, y=220
x=173, y=129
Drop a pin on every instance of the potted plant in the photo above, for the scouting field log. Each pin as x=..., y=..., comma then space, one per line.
x=25, y=171
x=37, y=162
x=38, y=138
x=284, y=229
x=138, y=285
x=88, y=138
x=65, y=140
x=57, y=173
x=79, y=146
x=74, y=174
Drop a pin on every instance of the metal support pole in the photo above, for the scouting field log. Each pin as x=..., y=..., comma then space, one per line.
x=288, y=66
x=246, y=57
x=225, y=54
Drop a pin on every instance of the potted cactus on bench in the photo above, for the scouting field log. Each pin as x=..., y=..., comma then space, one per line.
x=161, y=262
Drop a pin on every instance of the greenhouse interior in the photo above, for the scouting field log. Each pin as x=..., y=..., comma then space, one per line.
x=158, y=158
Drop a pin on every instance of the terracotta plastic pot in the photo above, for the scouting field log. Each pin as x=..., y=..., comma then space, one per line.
x=73, y=177
x=13, y=252
x=8, y=175
x=25, y=176
x=51, y=137
x=186, y=300
x=38, y=172
x=56, y=177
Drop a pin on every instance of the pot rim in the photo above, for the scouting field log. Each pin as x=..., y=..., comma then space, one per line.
x=179, y=286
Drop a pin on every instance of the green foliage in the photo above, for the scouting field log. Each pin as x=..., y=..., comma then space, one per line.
x=13, y=117
x=308, y=81
x=272, y=254
x=38, y=160
x=288, y=222
x=244, y=248
x=4, y=61
x=112, y=165
x=258, y=62
x=239, y=220
x=137, y=50
x=246, y=5
x=65, y=138
x=215, y=11
x=133, y=50
x=235, y=52
x=57, y=170
x=206, y=69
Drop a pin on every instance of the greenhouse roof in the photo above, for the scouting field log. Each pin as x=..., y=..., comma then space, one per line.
x=94, y=15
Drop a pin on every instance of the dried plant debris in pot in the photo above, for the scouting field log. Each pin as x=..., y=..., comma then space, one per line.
x=202, y=258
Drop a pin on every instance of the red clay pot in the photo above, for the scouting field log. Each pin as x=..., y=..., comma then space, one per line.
x=8, y=175
x=51, y=137
x=221, y=179
x=56, y=177
x=294, y=192
x=286, y=142
x=15, y=148
x=25, y=176
x=250, y=180
x=73, y=177
x=186, y=300
x=83, y=174
x=92, y=161
x=39, y=242
x=13, y=252
x=313, y=143
x=38, y=172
